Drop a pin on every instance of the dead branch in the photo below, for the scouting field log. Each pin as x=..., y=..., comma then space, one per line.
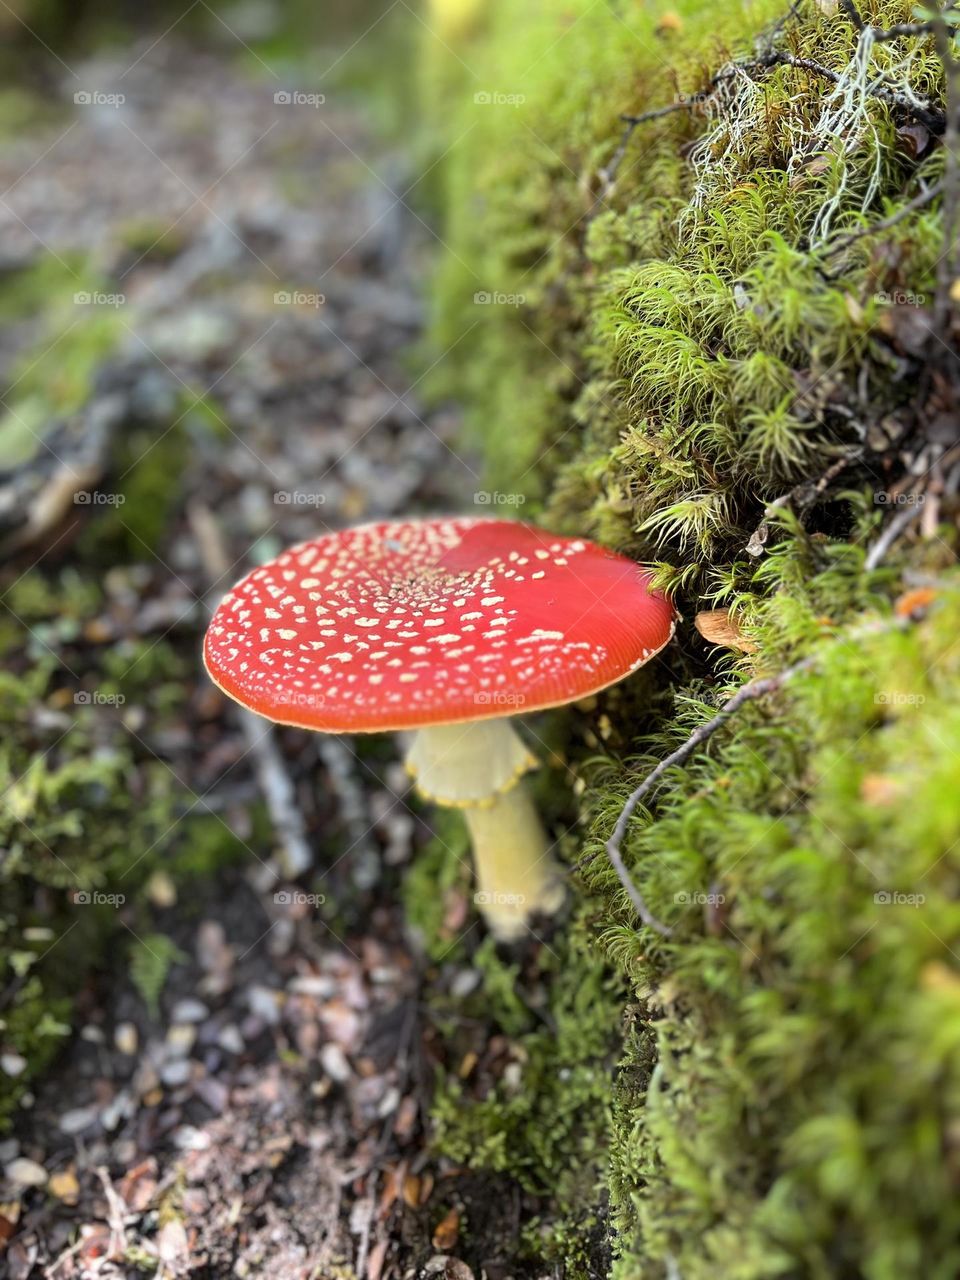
x=900, y=522
x=918, y=202
x=750, y=692
x=802, y=496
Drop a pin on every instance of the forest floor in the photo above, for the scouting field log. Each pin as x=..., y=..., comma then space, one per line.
x=265, y=1113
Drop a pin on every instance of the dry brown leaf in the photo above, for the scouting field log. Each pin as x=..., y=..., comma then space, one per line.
x=64, y=1186
x=447, y=1231
x=406, y=1117
x=7, y=1229
x=717, y=626
x=915, y=601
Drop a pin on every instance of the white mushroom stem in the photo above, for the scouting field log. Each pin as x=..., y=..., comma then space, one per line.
x=477, y=767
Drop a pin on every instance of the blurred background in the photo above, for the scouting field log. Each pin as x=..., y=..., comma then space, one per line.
x=216, y=232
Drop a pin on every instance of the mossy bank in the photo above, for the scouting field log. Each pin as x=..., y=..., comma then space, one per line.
x=659, y=330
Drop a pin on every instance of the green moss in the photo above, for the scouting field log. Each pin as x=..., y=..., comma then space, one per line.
x=89, y=812
x=689, y=347
x=535, y=1108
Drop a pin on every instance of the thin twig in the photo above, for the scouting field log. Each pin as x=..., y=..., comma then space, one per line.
x=275, y=782
x=802, y=495
x=885, y=224
x=900, y=522
x=749, y=692
x=608, y=173
x=850, y=9
x=934, y=120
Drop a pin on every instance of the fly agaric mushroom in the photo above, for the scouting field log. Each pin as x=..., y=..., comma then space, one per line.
x=445, y=627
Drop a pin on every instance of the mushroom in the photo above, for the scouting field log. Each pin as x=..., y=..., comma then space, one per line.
x=447, y=627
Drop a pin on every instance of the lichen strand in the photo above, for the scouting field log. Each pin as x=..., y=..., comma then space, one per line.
x=685, y=348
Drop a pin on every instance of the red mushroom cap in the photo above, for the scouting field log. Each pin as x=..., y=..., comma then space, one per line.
x=399, y=625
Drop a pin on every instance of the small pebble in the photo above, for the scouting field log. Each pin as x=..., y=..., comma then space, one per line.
x=180, y=1039
x=334, y=1062
x=126, y=1038
x=116, y=1110
x=230, y=1039
x=263, y=1004
x=464, y=982
x=312, y=984
x=77, y=1120
x=189, y=1011
x=12, y=1063
x=176, y=1073
x=26, y=1173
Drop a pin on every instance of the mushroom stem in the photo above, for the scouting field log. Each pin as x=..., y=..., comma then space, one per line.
x=476, y=767
x=516, y=876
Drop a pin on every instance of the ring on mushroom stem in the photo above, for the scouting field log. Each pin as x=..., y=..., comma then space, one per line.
x=447, y=627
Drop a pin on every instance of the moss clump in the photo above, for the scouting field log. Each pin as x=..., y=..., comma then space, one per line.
x=525, y=1092
x=89, y=813
x=689, y=345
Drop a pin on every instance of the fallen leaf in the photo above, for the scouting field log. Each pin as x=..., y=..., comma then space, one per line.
x=718, y=627
x=916, y=601
x=64, y=1186
x=914, y=139
x=447, y=1231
